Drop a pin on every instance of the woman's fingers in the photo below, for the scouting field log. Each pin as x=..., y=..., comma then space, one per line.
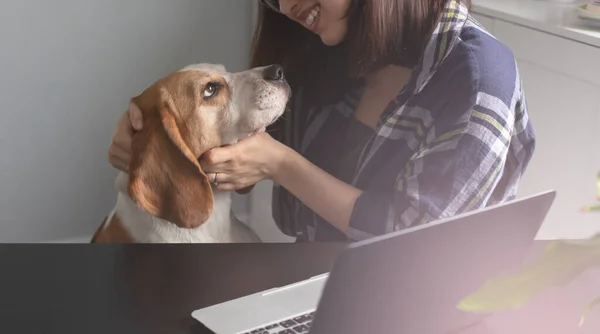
x=119, y=152
x=218, y=156
x=218, y=177
x=211, y=177
x=226, y=186
x=135, y=117
x=215, y=161
x=214, y=168
x=245, y=190
x=224, y=181
x=118, y=157
x=120, y=164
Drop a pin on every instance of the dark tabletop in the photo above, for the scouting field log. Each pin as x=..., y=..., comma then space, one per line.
x=140, y=288
x=88, y=289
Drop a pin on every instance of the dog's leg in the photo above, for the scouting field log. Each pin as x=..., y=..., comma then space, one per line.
x=99, y=231
x=112, y=231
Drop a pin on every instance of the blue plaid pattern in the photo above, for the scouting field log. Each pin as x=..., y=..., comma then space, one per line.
x=456, y=138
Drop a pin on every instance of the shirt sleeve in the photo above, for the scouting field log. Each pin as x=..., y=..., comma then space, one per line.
x=456, y=172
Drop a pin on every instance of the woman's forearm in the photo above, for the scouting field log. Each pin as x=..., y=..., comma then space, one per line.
x=329, y=197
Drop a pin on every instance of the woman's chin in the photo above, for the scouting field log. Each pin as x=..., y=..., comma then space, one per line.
x=330, y=41
x=333, y=37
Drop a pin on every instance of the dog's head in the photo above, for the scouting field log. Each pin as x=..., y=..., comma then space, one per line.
x=187, y=113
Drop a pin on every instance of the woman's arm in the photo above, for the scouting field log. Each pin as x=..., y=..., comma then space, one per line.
x=326, y=195
x=456, y=173
x=261, y=157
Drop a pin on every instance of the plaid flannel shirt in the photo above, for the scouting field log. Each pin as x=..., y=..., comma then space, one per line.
x=456, y=138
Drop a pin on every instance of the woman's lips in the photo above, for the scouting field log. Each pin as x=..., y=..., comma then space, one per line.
x=310, y=17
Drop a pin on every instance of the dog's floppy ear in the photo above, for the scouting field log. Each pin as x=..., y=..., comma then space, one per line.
x=165, y=178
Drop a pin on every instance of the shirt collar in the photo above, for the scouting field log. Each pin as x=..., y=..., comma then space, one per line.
x=441, y=43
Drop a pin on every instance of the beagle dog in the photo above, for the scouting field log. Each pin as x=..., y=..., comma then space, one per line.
x=166, y=197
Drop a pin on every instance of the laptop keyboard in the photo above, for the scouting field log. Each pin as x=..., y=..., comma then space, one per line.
x=296, y=325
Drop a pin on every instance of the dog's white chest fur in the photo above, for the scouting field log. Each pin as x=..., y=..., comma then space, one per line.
x=221, y=227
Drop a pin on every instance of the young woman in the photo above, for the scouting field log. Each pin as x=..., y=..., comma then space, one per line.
x=403, y=112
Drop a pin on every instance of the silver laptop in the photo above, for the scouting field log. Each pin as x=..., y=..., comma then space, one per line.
x=408, y=281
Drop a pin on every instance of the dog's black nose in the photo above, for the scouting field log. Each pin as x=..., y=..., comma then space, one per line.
x=273, y=73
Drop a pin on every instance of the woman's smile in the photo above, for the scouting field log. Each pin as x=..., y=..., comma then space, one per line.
x=310, y=17
x=325, y=18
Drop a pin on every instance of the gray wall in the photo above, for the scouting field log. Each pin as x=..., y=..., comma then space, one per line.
x=67, y=71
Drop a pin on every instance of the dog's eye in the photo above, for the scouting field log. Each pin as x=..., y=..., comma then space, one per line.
x=210, y=90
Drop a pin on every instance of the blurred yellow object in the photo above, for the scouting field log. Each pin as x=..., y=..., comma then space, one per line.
x=560, y=263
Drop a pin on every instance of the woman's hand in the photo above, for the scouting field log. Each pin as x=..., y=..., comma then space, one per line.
x=119, y=152
x=260, y=157
x=245, y=163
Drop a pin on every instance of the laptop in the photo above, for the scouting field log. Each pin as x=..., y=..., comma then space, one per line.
x=409, y=281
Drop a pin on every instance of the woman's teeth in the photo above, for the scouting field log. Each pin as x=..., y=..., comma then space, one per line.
x=312, y=16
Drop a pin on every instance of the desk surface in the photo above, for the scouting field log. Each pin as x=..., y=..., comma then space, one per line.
x=153, y=288
x=140, y=289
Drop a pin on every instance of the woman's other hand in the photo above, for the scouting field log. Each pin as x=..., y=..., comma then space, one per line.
x=119, y=152
x=242, y=165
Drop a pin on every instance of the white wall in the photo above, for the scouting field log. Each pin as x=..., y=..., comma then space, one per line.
x=67, y=71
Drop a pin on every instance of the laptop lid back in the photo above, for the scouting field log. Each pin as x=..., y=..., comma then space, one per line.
x=411, y=281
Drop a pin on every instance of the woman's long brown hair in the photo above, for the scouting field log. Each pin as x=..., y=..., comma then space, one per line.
x=380, y=33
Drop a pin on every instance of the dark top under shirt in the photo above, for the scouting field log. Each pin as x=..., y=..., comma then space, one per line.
x=356, y=136
x=338, y=153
